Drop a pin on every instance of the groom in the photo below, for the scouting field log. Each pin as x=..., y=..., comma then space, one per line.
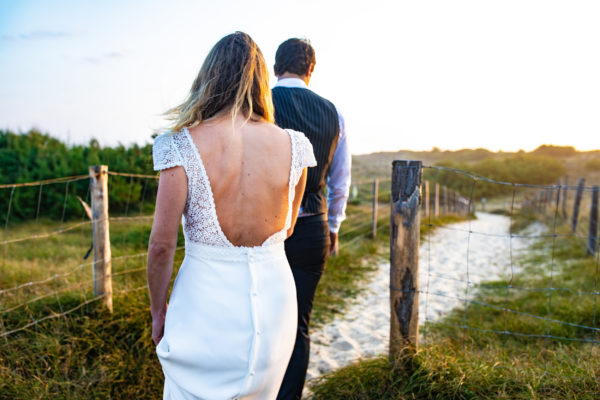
x=316, y=232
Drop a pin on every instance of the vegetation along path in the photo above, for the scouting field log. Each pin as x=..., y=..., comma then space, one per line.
x=451, y=256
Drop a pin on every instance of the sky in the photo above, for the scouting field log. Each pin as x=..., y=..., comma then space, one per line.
x=503, y=75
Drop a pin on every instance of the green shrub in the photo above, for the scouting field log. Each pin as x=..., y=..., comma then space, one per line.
x=555, y=151
x=521, y=168
x=33, y=156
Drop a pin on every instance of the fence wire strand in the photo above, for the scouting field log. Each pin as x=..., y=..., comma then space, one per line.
x=45, y=182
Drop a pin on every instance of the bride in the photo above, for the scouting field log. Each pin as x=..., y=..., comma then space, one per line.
x=236, y=181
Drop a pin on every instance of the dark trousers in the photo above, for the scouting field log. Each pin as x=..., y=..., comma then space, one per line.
x=307, y=250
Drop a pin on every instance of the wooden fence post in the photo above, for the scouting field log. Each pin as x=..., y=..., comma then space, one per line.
x=564, y=197
x=437, y=200
x=375, y=201
x=445, y=200
x=404, y=257
x=578, y=195
x=427, y=198
x=100, y=234
x=593, y=235
x=456, y=203
x=558, y=189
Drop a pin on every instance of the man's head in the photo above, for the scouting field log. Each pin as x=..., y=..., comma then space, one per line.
x=295, y=57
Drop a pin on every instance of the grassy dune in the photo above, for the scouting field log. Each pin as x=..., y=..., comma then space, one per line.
x=90, y=353
x=454, y=363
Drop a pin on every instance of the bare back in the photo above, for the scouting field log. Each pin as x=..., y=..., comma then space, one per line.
x=248, y=166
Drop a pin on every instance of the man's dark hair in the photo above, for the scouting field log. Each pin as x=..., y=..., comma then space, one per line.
x=294, y=56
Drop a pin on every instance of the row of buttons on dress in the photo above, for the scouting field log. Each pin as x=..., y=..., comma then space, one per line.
x=254, y=294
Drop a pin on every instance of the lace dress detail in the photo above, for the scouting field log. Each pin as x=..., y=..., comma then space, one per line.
x=200, y=222
x=165, y=155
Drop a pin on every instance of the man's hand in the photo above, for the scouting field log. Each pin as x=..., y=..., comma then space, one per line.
x=333, y=243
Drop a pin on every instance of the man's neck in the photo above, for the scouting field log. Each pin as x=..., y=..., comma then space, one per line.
x=285, y=75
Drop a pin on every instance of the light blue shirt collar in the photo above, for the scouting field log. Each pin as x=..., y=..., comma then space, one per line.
x=292, y=83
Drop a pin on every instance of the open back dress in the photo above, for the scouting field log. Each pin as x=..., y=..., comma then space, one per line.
x=231, y=321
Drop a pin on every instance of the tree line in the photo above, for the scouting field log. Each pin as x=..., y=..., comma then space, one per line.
x=35, y=156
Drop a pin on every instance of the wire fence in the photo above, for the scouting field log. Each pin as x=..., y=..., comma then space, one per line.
x=527, y=268
x=46, y=268
x=42, y=280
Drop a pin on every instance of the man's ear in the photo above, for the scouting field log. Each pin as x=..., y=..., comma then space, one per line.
x=309, y=73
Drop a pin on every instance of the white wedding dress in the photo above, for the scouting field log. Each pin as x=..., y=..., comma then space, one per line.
x=231, y=321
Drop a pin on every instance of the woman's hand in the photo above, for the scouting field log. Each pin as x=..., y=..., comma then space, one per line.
x=158, y=325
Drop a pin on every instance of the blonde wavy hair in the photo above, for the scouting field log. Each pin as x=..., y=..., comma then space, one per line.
x=233, y=79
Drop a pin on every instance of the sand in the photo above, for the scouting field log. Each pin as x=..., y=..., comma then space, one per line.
x=447, y=258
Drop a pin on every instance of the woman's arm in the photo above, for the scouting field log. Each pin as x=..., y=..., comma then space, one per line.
x=170, y=202
x=299, y=192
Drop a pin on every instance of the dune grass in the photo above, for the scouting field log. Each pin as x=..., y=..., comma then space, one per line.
x=484, y=362
x=87, y=353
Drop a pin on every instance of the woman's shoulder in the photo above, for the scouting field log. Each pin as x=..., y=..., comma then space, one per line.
x=270, y=134
x=301, y=147
x=168, y=136
x=164, y=150
x=284, y=133
x=169, y=140
x=300, y=136
x=271, y=129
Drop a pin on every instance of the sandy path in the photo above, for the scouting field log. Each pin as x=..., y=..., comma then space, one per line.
x=363, y=331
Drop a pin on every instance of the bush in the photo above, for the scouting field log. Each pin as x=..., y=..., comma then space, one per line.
x=34, y=156
x=521, y=168
x=555, y=151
